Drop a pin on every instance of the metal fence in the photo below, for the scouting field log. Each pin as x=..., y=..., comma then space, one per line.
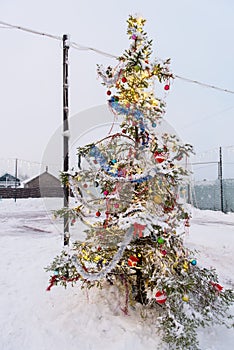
x=212, y=195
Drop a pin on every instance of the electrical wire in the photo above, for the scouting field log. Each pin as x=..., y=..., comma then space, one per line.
x=8, y=25
x=204, y=84
x=86, y=48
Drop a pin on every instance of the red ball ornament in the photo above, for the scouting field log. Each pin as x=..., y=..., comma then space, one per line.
x=163, y=252
x=159, y=157
x=166, y=87
x=98, y=213
x=161, y=297
x=124, y=80
x=217, y=286
x=108, y=92
x=132, y=261
x=73, y=222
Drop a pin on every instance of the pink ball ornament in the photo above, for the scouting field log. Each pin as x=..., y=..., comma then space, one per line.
x=134, y=37
x=105, y=193
x=166, y=87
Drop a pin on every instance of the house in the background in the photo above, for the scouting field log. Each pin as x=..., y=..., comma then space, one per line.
x=43, y=181
x=9, y=181
x=46, y=184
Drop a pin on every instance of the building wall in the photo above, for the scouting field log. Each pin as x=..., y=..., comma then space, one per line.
x=44, y=180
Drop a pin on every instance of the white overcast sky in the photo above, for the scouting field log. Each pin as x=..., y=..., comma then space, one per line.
x=196, y=35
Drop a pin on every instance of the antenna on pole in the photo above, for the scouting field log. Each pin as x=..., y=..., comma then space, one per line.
x=65, y=133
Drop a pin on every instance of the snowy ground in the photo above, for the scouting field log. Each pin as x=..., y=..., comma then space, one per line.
x=33, y=319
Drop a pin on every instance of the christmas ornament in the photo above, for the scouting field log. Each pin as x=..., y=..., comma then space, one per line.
x=137, y=68
x=133, y=260
x=193, y=262
x=138, y=228
x=105, y=192
x=161, y=297
x=159, y=157
x=166, y=87
x=157, y=199
x=217, y=286
x=98, y=213
x=163, y=252
x=160, y=240
x=108, y=92
x=73, y=222
x=124, y=80
x=185, y=298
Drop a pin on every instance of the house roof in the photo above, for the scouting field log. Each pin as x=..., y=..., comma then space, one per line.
x=8, y=177
x=40, y=175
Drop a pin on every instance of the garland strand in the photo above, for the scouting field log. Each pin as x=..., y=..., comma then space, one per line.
x=101, y=274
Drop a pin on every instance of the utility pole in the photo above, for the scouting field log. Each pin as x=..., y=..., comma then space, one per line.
x=221, y=178
x=16, y=174
x=65, y=133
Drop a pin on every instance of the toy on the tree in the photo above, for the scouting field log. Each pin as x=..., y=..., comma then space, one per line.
x=127, y=193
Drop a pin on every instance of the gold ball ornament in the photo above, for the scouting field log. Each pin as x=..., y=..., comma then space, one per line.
x=155, y=103
x=157, y=199
x=185, y=298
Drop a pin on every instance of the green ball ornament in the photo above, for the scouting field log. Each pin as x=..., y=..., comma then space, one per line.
x=160, y=240
x=137, y=68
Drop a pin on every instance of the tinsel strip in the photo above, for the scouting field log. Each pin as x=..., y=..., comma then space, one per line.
x=101, y=274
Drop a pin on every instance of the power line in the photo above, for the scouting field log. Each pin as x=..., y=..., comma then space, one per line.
x=86, y=48
x=204, y=84
x=8, y=25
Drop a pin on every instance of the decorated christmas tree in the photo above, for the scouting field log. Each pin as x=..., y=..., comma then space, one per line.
x=127, y=193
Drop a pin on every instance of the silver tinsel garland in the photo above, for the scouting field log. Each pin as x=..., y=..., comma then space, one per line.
x=96, y=276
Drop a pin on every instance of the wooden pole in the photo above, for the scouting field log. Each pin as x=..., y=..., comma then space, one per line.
x=221, y=178
x=16, y=174
x=65, y=132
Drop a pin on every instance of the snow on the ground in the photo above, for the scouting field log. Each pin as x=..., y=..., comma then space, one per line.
x=33, y=319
